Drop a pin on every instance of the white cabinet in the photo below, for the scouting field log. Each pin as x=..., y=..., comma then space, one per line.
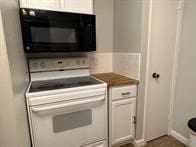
x=41, y=4
x=122, y=112
x=78, y=6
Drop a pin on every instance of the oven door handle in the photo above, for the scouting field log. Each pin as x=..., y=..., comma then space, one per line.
x=47, y=108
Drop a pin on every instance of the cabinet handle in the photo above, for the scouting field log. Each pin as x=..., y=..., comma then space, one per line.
x=125, y=93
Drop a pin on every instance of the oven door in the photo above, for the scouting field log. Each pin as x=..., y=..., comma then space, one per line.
x=69, y=123
x=49, y=31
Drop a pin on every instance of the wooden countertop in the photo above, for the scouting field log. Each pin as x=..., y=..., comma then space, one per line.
x=113, y=79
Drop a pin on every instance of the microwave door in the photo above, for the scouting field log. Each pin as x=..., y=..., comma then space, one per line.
x=51, y=37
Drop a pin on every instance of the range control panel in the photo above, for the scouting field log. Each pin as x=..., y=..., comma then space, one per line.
x=55, y=64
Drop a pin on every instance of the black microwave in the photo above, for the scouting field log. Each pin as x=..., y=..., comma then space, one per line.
x=51, y=31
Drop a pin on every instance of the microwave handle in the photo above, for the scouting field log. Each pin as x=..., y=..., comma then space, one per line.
x=47, y=108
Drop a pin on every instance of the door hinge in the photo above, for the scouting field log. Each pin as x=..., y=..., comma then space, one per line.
x=134, y=120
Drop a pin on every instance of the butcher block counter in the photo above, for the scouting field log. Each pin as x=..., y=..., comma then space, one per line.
x=113, y=79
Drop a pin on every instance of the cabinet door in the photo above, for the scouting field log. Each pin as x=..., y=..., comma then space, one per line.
x=41, y=4
x=123, y=113
x=78, y=6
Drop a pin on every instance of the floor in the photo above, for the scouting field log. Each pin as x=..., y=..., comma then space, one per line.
x=166, y=141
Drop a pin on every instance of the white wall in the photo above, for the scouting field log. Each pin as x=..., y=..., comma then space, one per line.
x=127, y=26
x=185, y=98
x=102, y=60
x=118, y=37
x=127, y=37
x=8, y=133
x=103, y=10
x=127, y=64
x=18, y=67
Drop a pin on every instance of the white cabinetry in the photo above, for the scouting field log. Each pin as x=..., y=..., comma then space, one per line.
x=41, y=4
x=122, y=114
x=78, y=6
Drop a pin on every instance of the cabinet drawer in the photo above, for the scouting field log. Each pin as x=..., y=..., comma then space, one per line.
x=124, y=92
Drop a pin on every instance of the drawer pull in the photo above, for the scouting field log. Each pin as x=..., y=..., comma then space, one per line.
x=125, y=93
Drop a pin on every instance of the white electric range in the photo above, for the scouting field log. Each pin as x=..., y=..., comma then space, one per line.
x=66, y=106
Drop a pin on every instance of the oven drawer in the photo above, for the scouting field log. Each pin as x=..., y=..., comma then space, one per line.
x=69, y=123
x=123, y=92
x=97, y=144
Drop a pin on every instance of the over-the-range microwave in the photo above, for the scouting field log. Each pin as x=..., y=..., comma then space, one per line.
x=51, y=31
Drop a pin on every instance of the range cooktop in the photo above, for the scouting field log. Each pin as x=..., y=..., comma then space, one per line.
x=38, y=86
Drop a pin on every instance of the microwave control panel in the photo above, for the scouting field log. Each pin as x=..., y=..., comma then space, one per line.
x=41, y=65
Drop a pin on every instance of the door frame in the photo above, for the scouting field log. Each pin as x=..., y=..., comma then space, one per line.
x=175, y=64
x=174, y=70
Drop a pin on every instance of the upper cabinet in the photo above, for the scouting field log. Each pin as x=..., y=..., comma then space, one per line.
x=78, y=6
x=41, y=4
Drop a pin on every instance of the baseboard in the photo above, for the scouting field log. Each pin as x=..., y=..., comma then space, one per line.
x=179, y=137
x=139, y=143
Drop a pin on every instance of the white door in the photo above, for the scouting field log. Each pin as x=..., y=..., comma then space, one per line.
x=123, y=112
x=163, y=33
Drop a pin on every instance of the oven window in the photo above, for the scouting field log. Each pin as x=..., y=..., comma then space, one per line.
x=53, y=35
x=71, y=121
